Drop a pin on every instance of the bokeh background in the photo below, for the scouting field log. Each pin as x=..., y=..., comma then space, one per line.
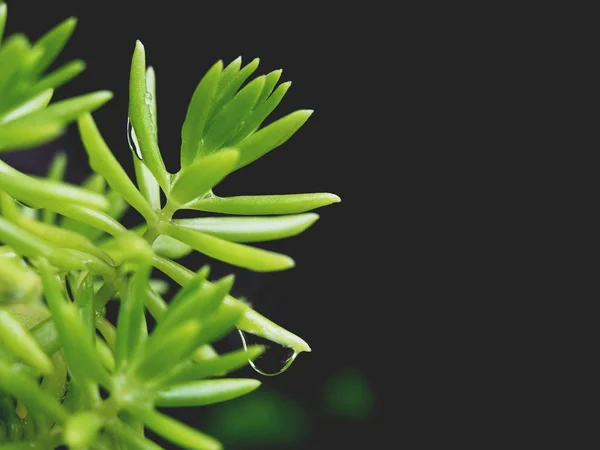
x=337, y=298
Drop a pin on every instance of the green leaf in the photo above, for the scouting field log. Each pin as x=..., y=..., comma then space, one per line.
x=228, y=119
x=27, y=391
x=229, y=252
x=270, y=82
x=230, y=84
x=3, y=15
x=151, y=89
x=19, y=341
x=83, y=360
x=56, y=172
x=221, y=323
x=175, y=431
x=103, y=161
x=60, y=76
x=90, y=216
x=262, y=111
x=193, y=304
x=157, y=357
x=270, y=137
x=66, y=111
x=206, y=392
x=81, y=429
x=29, y=106
x=131, y=324
x=52, y=43
x=250, y=229
x=141, y=120
x=130, y=437
x=217, y=366
x=84, y=299
x=264, y=204
x=28, y=244
x=46, y=193
x=170, y=248
x=198, y=178
x=199, y=110
x=19, y=137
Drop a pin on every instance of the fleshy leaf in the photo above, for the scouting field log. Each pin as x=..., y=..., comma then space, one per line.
x=170, y=248
x=141, y=119
x=60, y=76
x=250, y=229
x=270, y=137
x=56, y=172
x=198, y=178
x=199, y=110
x=29, y=106
x=19, y=137
x=52, y=43
x=230, y=252
x=205, y=392
x=103, y=161
x=264, y=204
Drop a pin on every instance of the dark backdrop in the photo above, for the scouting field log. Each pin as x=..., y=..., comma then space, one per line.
x=343, y=297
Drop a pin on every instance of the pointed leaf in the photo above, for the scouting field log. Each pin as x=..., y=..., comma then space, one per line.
x=151, y=89
x=3, y=15
x=250, y=229
x=199, y=110
x=198, y=178
x=81, y=429
x=261, y=112
x=39, y=192
x=175, y=431
x=26, y=390
x=270, y=137
x=221, y=323
x=29, y=106
x=217, y=366
x=20, y=137
x=52, y=43
x=56, y=172
x=60, y=76
x=103, y=161
x=170, y=248
x=226, y=121
x=206, y=392
x=140, y=117
x=229, y=252
x=19, y=341
x=131, y=325
x=66, y=111
x=130, y=437
x=84, y=299
x=264, y=204
x=270, y=82
x=230, y=85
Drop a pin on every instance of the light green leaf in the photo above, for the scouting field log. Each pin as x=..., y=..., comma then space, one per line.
x=103, y=161
x=28, y=392
x=175, y=431
x=217, y=366
x=15, y=136
x=3, y=15
x=270, y=137
x=131, y=325
x=229, y=252
x=29, y=106
x=206, y=392
x=221, y=323
x=170, y=248
x=16, y=338
x=261, y=112
x=250, y=229
x=140, y=117
x=130, y=437
x=198, y=178
x=90, y=216
x=52, y=43
x=230, y=84
x=81, y=429
x=66, y=111
x=270, y=82
x=47, y=193
x=60, y=76
x=227, y=120
x=264, y=204
x=199, y=110
x=56, y=172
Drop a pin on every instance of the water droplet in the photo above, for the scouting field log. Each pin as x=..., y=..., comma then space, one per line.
x=148, y=98
x=132, y=140
x=276, y=358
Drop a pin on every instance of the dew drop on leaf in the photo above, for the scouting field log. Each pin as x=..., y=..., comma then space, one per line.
x=275, y=360
x=132, y=140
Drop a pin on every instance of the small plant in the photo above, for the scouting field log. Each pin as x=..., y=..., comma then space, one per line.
x=68, y=376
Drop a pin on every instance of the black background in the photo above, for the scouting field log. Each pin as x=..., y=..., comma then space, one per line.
x=358, y=270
